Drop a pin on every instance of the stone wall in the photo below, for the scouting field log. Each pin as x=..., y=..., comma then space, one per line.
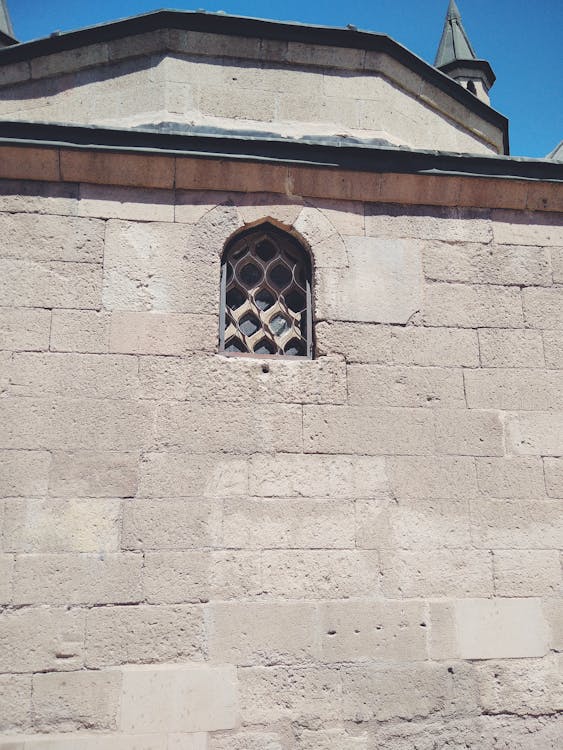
x=202, y=553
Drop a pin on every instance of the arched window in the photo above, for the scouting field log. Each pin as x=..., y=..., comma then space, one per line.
x=266, y=295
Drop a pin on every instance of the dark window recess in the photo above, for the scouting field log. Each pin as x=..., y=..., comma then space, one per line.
x=266, y=295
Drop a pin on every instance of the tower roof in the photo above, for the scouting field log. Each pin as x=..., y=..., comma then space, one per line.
x=454, y=44
x=6, y=29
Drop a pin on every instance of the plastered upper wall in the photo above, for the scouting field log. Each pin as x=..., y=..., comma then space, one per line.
x=230, y=82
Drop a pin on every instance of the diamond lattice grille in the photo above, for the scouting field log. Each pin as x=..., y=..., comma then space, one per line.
x=266, y=305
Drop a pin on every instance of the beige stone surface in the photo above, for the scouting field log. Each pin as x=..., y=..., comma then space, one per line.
x=511, y=477
x=24, y=473
x=553, y=469
x=64, y=579
x=535, y=433
x=80, y=331
x=272, y=523
x=15, y=702
x=269, y=633
x=382, y=283
x=24, y=329
x=516, y=524
x=316, y=476
x=472, y=306
x=53, y=637
x=62, y=525
x=162, y=333
x=143, y=634
x=527, y=228
x=543, y=307
x=422, y=524
x=553, y=347
x=514, y=389
x=405, y=386
x=196, y=698
x=30, y=283
x=186, y=475
x=51, y=238
x=428, y=223
x=6, y=576
x=527, y=572
x=431, y=477
x=84, y=740
x=488, y=629
x=67, y=701
x=368, y=631
x=504, y=347
x=93, y=474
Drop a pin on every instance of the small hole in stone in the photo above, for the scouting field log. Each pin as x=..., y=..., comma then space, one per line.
x=422, y=624
x=265, y=368
x=451, y=670
x=331, y=632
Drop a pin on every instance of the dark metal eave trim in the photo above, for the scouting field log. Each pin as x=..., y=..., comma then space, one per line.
x=254, y=28
x=338, y=154
x=482, y=66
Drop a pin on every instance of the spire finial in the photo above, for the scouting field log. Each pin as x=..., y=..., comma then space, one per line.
x=6, y=29
x=454, y=44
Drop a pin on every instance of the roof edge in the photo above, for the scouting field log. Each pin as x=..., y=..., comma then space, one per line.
x=218, y=23
x=334, y=152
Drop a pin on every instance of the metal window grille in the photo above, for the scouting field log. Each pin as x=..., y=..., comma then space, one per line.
x=266, y=296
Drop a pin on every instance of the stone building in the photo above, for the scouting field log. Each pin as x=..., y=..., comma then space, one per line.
x=281, y=334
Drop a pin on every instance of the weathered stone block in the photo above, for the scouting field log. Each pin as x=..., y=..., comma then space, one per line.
x=187, y=475
x=437, y=573
x=514, y=389
x=487, y=629
x=527, y=228
x=417, y=524
x=469, y=306
x=128, y=203
x=405, y=386
x=244, y=740
x=504, y=347
x=76, y=700
x=534, y=433
x=51, y=238
x=267, y=633
x=527, y=572
x=423, y=222
x=294, y=475
x=143, y=634
x=382, y=283
x=543, y=308
x=523, y=687
x=468, y=433
x=271, y=694
x=26, y=283
x=61, y=525
x=204, y=428
x=24, y=329
x=431, y=477
x=54, y=639
x=511, y=477
x=516, y=524
x=553, y=347
x=177, y=577
x=331, y=739
x=343, y=429
x=487, y=264
x=179, y=699
x=217, y=379
x=162, y=333
x=80, y=331
x=406, y=692
x=170, y=524
x=557, y=263
x=553, y=468
x=87, y=424
x=320, y=574
x=15, y=702
x=78, y=579
x=24, y=473
x=6, y=576
x=273, y=523
x=372, y=631
x=93, y=474
x=74, y=375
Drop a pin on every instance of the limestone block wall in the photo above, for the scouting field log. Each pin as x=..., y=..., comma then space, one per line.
x=206, y=553
x=208, y=80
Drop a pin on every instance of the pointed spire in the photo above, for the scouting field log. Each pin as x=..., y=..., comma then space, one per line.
x=454, y=44
x=6, y=29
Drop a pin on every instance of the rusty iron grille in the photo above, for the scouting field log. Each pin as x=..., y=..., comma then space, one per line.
x=266, y=296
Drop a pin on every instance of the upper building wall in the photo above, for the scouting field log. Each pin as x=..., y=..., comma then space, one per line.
x=223, y=81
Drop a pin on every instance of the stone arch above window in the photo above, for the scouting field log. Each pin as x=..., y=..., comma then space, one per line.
x=266, y=295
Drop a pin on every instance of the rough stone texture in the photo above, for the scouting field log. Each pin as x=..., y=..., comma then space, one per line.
x=364, y=547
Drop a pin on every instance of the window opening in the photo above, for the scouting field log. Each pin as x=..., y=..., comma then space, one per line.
x=266, y=295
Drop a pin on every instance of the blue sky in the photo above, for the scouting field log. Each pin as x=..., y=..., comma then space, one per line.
x=520, y=38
